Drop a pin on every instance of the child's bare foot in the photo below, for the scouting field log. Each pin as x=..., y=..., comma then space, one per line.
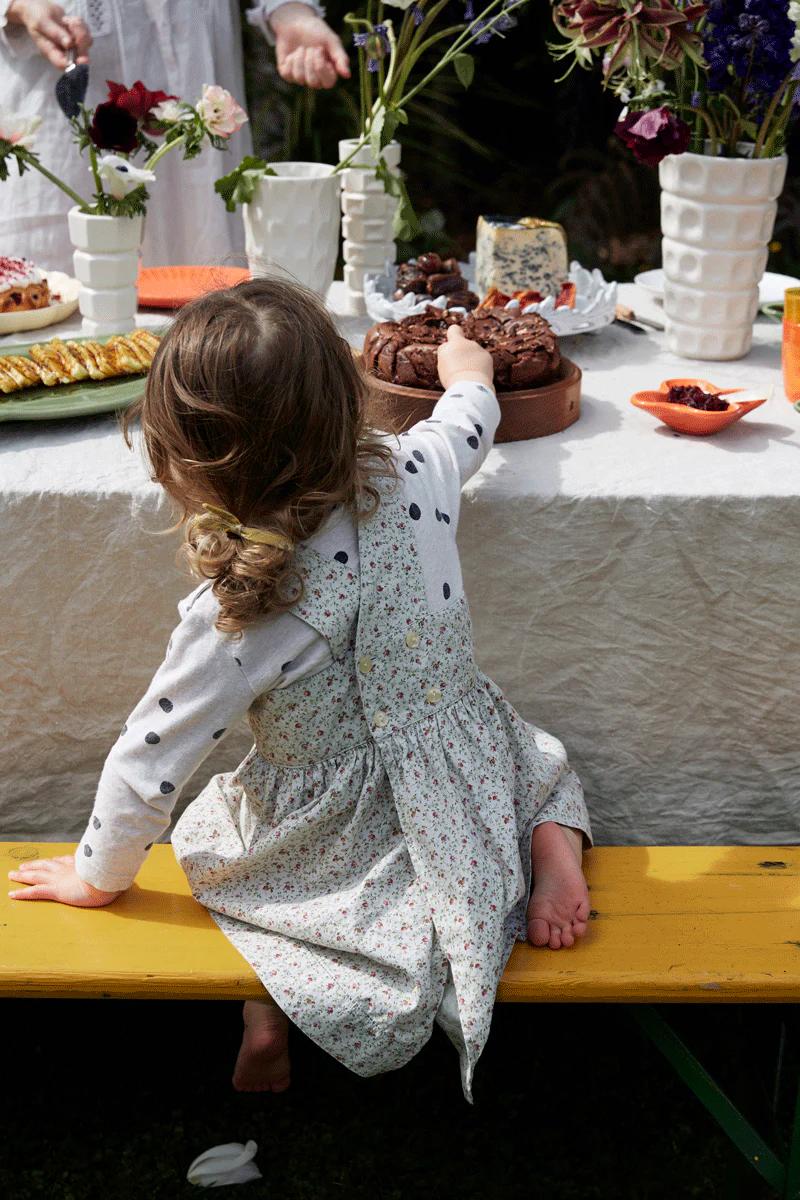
x=263, y=1062
x=559, y=905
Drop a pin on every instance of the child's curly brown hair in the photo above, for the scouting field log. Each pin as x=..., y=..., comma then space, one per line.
x=255, y=403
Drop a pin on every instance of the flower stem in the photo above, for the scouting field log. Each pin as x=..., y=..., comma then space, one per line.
x=161, y=151
x=33, y=161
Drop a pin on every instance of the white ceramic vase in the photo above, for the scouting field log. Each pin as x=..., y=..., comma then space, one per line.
x=367, y=218
x=717, y=217
x=106, y=261
x=291, y=227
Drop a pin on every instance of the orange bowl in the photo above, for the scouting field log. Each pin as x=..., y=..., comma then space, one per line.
x=683, y=419
x=172, y=287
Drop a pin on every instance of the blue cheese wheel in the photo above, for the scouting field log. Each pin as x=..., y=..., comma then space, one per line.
x=526, y=253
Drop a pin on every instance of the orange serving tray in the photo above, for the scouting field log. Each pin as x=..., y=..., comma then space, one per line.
x=172, y=287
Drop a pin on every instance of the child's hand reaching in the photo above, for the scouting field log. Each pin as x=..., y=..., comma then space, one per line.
x=56, y=879
x=460, y=358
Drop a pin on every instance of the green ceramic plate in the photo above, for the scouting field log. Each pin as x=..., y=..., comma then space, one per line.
x=69, y=399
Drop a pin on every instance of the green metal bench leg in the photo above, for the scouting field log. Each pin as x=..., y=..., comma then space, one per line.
x=791, y=1189
x=739, y=1130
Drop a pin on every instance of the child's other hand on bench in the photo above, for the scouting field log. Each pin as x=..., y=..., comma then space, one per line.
x=56, y=879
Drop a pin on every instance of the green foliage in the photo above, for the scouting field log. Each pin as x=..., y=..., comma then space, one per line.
x=406, y=223
x=238, y=187
x=9, y=153
x=464, y=65
x=132, y=205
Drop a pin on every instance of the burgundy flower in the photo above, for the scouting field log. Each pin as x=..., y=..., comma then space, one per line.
x=138, y=101
x=654, y=134
x=113, y=128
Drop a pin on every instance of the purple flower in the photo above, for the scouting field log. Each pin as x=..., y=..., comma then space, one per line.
x=748, y=41
x=696, y=100
x=654, y=134
x=418, y=14
x=360, y=39
x=469, y=11
x=484, y=31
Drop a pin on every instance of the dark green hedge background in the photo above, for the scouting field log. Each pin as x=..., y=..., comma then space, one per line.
x=516, y=142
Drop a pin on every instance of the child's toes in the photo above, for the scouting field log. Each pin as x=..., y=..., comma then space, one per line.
x=555, y=937
x=578, y=928
x=538, y=932
x=567, y=938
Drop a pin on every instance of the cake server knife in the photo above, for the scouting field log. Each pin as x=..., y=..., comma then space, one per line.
x=71, y=87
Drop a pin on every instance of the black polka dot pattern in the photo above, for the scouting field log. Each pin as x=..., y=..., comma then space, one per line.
x=418, y=455
x=411, y=467
x=473, y=441
x=218, y=733
x=149, y=846
x=96, y=822
x=446, y=590
x=479, y=429
x=286, y=666
x=165, y=704
x=414, y=512
x=123, y=731
x=238, y=661
x=87, y=850
x=342, y=556
x=152, y=739
x=457, y=395
x=438, y=515
x=445, y=518
x=166, y=787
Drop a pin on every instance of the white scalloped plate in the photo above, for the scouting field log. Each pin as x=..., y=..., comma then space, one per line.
x=37, y=318
x=595, y=301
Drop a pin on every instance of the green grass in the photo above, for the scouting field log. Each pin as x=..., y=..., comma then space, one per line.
x=114, y=1099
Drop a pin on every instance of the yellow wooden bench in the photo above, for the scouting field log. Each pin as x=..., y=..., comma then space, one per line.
x=671, y=924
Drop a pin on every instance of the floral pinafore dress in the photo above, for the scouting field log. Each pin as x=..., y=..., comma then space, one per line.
x=370, y=858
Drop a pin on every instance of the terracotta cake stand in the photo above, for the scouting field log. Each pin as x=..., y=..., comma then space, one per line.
x=531, y=413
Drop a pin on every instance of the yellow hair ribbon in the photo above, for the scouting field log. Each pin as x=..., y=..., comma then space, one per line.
x=219, y=520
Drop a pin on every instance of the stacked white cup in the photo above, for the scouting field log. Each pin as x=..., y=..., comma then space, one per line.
x=367, y=219
x=717, y=217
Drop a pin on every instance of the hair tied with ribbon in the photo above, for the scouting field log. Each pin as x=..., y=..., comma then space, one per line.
x=219, y=520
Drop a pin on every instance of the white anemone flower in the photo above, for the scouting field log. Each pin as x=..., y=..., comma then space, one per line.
x=18, y=129
x=120, y=176
x=170, y=112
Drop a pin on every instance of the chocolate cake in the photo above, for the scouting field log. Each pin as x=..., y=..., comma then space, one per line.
x=524, y=348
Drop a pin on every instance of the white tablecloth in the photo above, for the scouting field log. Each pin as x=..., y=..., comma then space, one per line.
x=634, y=592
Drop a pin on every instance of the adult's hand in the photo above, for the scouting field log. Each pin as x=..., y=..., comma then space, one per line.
x=51, y=30
x=56, y=879
x=307, y=50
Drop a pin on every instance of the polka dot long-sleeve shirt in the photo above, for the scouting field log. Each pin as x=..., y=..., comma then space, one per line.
x=208, y=680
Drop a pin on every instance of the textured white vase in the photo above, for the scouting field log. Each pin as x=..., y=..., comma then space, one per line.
x=106, y=261
x=717, y=216
x=367, y=218
x=291, y=227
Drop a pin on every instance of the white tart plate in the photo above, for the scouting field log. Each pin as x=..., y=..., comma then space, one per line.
x=37, y=318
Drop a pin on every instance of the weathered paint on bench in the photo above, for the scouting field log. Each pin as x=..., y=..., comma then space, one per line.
x=677, y=924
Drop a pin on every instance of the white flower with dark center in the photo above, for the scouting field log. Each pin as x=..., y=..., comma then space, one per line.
x=120, y=176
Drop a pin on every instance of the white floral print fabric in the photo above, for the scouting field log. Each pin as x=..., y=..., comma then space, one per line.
x=371, y=856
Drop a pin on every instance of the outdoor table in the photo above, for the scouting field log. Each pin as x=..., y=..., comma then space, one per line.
x=633, y=591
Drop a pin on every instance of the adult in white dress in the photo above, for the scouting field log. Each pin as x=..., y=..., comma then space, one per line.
x=175, y=45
